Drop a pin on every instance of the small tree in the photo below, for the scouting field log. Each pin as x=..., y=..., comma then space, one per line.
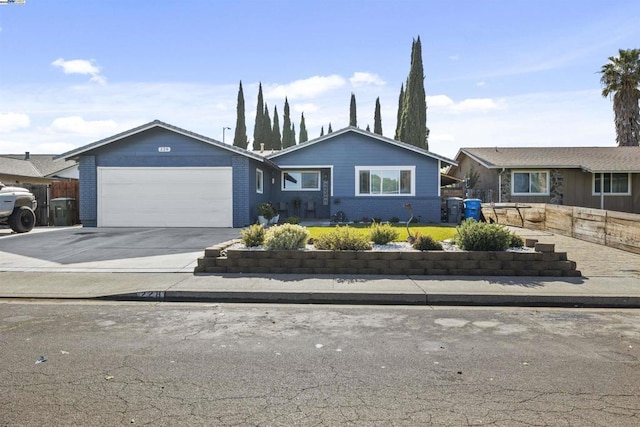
x=303, y=130
x=377, y=118
x=352, y=111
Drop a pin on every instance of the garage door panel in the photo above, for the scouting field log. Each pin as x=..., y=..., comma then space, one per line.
x=165, y=197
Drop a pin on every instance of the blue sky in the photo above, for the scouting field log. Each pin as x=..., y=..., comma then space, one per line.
x=497, y=73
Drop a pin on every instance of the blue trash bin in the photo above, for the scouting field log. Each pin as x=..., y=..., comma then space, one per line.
x=472, y=208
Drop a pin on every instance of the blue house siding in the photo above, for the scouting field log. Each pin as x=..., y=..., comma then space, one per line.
x=241, y=190
x=347, y=151
x=88, y=191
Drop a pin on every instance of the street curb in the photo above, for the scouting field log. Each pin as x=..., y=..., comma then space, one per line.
x=415, y=299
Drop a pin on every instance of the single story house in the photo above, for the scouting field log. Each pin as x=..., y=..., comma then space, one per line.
x=592, y=177
x=161, y=175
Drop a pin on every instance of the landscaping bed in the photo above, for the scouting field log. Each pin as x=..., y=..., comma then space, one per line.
x=541, y=260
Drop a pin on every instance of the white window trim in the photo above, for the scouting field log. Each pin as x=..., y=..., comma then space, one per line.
x=412, y=169
x=282, y=180
x=546, y=193
x=593, y=185
x=259, y=180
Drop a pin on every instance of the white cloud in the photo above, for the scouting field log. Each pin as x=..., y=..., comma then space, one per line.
x=447, y=105
x=305, y=88
x=305, y=107
x=364, y=79
x=10, y=122
x=79, y=126
x=81, y=66
x=454, y=57
x=481, y=84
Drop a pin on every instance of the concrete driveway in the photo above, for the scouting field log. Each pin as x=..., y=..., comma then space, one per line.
x=79, y=249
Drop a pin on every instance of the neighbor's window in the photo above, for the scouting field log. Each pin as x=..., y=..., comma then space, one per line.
x=259, y=181
x=301, y=180
x=385, y=181
x=614, y=183
x=530, y=183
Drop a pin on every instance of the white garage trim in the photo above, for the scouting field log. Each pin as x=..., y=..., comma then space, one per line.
x=165, y=196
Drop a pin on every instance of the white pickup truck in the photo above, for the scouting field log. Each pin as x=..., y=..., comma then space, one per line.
x=17, y=206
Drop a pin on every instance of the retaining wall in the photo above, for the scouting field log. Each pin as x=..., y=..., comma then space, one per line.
x=543, y=262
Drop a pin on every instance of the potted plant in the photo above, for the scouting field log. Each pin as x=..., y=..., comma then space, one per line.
x=267, y=214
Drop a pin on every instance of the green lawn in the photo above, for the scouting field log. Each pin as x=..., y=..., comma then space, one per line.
x=438, y=232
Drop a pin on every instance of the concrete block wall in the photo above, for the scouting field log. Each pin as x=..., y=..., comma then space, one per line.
x=219, y=259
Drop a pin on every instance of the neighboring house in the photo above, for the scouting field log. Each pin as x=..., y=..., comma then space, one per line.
x=38, y=173
x=592, y=177
x=161, y=175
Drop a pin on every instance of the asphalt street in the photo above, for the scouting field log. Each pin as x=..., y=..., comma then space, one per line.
x=227, y=364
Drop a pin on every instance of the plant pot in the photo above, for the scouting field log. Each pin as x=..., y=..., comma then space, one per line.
x=274, y=220
x=262, y=220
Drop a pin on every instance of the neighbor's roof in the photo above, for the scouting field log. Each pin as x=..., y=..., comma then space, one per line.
x=11, y=166
x=47, y=164
x=590, y=159
x=73, y=154
x=352, y=129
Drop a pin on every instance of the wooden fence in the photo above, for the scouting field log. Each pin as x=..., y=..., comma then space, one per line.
x=619, y=230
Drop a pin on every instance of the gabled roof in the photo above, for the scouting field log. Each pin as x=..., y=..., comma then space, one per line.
x=74, y=154
x=589, y=159
x=372, y=135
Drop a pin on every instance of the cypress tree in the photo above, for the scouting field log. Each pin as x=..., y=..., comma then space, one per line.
x=368, y=128
x=352, y=111
x=377, y=119
x=400, y=108
x=303, y=130
x=240, y=138
x=293, y=134
x=330, y=129
x=276, y=140
x=413, y=128
x=266, y=129
x=257, y=128
x=322, y=131
x=287, y=134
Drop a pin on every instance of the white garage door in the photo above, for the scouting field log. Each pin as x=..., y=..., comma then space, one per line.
x=165, y=197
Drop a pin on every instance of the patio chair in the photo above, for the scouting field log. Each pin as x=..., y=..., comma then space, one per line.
x=283, y=208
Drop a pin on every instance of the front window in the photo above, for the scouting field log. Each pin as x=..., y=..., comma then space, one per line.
x=614, y=183
x=530, y=183
x=259, y=181
x=301, y=181
x=385, y=181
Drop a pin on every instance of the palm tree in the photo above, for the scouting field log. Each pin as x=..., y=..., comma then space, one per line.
x=621, y=77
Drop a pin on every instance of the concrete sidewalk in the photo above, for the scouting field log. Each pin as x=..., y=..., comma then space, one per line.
x=611, y=278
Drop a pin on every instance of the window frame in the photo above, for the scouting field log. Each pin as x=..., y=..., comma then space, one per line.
x=259, y=181
x=527, y=171
x=301, y=171
x=609, y=193
x=399, y=169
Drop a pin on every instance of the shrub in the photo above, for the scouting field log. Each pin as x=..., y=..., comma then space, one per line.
x=342, y=239
x=426, y=243
x=253, y=235
x=381, y=234
x=481, y=236
x=394, y=220
x=515, y=241
x=286, y=236
x=267, y=210
x=292, y=220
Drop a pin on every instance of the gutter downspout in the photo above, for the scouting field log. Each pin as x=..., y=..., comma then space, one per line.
x=602, y=190
x=500, y=186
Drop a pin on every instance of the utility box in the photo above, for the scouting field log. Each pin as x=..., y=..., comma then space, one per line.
x=472, y=208
x=63, y=211
x=454, y=210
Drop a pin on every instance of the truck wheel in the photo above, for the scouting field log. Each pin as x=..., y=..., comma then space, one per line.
x=22, y=219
